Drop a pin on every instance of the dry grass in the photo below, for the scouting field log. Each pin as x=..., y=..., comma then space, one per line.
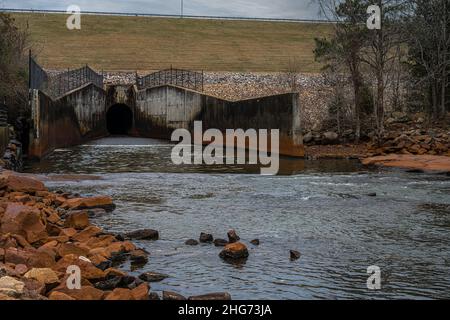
x=140, y=43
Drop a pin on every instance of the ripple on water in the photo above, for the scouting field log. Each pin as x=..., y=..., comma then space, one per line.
x=321, y=210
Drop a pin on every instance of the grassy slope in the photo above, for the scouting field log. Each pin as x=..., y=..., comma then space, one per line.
x=139, y=43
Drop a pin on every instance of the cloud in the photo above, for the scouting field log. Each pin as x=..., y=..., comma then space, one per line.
x=296, y=9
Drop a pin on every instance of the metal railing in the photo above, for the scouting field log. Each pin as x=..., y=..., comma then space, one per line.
x=155, y=15
x=69, y=80
x=38, y=78
x=183, y=78
x=58, y=84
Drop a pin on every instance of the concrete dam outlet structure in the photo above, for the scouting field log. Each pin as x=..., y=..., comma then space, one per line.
x=91, y=112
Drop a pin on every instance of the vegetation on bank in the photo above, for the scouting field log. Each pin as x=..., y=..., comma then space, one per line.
x=402, y=67
x=14, y=46
x=143, y=43
x=374, y=78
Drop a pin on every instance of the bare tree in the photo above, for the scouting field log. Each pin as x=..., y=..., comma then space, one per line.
x=290, y=74
x=427, y=23
x=381, y=53
x=14, y=46
x=346, y=45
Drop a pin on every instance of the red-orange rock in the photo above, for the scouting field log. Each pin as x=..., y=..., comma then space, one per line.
x=86, y=293
x=60, y=239
x=111, y=272
x=23, y=184
x=58, y=200
x=128, y=246
x=70, y=248
x=7, y=241
x=53, y=218
x=68, y=232
x=50, y=245
x=120, y=294
x=53, y=230
x=100, y=242
x=87, y=234
x=21, y=269
x=102, y=202
x=41, y=259
x=33, y=288
x=43, y=194
x=88, y=270
x=410, y=162
x=21, y=241
x=99, y=252
x=234, y=251
x=24, y=221
x=62, y=287
x=119, y=247
x=52, y=252
x=29, y=257
x=140, y=293
x=23, y=199
x=56, y=295
x=77, y=220
x=97, y=259
x=43, y=275
x=16, y=256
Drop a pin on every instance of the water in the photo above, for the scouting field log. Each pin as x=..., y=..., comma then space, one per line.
x=320, y=208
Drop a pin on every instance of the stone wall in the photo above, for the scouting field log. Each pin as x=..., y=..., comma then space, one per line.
x=69, y=120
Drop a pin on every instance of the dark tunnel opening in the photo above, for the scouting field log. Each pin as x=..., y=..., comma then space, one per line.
x=119, y=119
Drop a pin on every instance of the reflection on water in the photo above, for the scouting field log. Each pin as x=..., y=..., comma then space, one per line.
x=320, y=208
x=129, y=155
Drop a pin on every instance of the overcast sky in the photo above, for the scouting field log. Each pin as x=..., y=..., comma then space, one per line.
x=296, y=9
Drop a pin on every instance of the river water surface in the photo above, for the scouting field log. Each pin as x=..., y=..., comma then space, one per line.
x=320, y=208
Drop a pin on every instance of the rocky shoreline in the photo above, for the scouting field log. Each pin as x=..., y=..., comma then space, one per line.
x=411, y=163
x=418, y=163
x=44, y=234
x=408, y=143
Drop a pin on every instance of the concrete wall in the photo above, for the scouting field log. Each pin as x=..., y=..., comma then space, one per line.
x=80, y=115
x=273, y=112
x=69, y=120
x=158, y=111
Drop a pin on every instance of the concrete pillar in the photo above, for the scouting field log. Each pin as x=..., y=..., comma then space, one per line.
x=297, y=135
x=35, y=130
